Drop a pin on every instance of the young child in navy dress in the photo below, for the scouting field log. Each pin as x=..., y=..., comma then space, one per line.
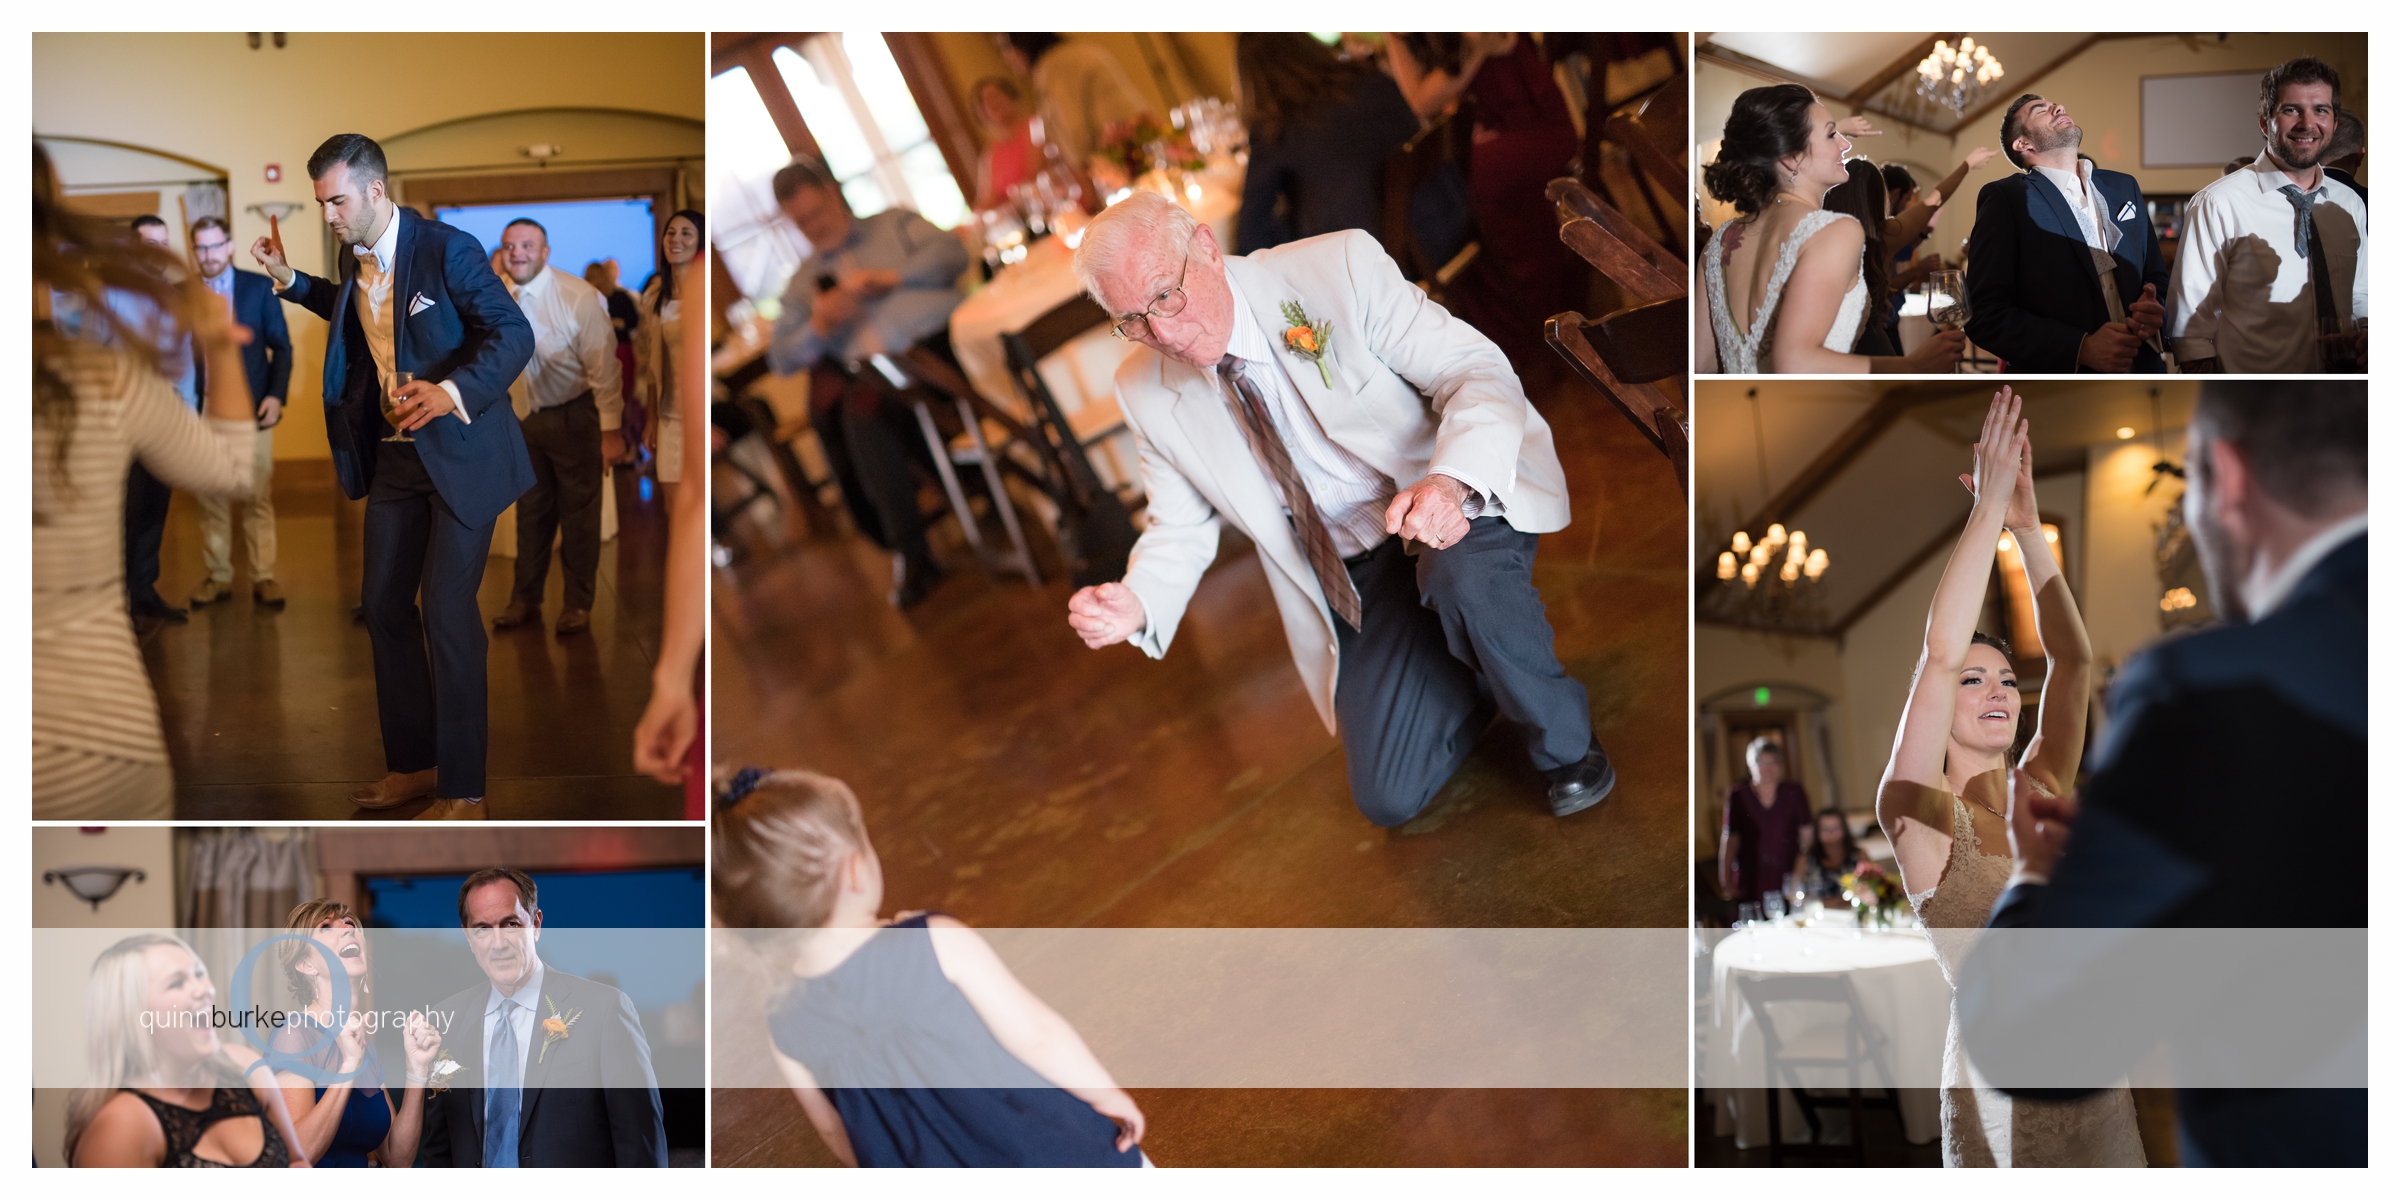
x=907, y=1041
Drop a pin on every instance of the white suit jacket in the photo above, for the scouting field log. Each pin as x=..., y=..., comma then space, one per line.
x=1413, y=388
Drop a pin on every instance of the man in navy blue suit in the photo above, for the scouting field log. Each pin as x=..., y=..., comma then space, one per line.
x=267, y=363
x=419, y=297
x=2232, y=757
x=2063, y=269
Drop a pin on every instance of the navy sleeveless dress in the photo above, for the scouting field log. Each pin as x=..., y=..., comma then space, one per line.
x=367, y=1117
x=918, y=1078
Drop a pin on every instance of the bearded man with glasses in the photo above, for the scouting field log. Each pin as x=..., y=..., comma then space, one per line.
x=1382, y=455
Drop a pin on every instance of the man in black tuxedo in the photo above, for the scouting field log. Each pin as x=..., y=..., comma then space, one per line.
x=416, y=296
x=554, y=1071
x=2063, y=269
x=2231, y=756
x=267, y=364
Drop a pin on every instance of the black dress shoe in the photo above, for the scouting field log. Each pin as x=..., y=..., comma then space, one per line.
x=1580, y=785
x=164, y=613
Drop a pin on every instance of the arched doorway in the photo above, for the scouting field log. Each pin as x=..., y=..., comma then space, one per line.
x=1798, y=720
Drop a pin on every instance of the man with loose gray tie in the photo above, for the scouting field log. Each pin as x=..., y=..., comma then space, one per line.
x=1382, y=455
x=570, y=399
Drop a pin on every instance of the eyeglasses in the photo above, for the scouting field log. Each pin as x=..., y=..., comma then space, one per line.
x=1166, y=304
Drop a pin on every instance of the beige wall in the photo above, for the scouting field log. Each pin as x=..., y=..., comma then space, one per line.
x=149, y=904
x=211, y=97
x=2101, y=88
x=1203, y=68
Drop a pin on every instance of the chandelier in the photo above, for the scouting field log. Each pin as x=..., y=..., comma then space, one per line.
x=1771, y=581
x=1956, y=78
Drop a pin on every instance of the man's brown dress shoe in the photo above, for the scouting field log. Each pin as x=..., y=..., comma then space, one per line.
x=209, y=592
x=396, y=789
x=267, y=593
x=453, y=810
x=517, y=614
x=574, y=620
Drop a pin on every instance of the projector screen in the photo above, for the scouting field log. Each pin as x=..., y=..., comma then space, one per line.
x=2200, y=120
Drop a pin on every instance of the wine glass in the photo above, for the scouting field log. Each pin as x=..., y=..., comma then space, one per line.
x=391, y=405
x=1773, y=902
x=1946, y=303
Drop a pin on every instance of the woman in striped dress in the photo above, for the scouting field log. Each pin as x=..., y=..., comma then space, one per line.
x=99, y=403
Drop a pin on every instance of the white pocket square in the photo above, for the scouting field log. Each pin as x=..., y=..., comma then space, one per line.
x=2126, y=213
x=418, y=305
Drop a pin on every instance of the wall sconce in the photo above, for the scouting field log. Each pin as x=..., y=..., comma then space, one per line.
x=274, y=210
x=542, y=152
x=94, y=884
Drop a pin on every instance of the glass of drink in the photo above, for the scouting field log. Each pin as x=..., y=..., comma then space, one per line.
x=1946, y=303
x=391, y=405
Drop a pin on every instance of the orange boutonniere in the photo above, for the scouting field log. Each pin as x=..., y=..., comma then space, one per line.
x=555, y=1027
x=1308, y=339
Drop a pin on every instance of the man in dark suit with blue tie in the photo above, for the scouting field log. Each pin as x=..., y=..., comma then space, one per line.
x=553, y=1070
x=267, y=365
x=2229, y=796
x=2063, y=269
x=419, y=318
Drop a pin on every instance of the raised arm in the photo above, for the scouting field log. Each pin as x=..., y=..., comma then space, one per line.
x=1030, y=1029
x=1914, y=219
x=1924, y=735
x=2057, y=747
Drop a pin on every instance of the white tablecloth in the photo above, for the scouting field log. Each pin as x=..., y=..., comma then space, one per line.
x=1083, y=370
x=1899, y=986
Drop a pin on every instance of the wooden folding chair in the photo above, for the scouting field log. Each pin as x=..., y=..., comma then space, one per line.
x=1628, y=354
x=1095, y=528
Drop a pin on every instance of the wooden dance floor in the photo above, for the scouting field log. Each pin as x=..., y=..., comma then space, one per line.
x=271, y=716
x=1013, y=778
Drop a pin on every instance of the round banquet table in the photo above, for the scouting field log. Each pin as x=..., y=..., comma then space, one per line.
x=1900, y=988
x=1083, y=372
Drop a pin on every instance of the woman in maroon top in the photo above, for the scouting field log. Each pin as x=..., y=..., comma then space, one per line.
x=1760, y=842
x=1524, y=137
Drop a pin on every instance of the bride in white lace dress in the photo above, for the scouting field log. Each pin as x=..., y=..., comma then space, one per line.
x=1944, y=798
x=1785, y=290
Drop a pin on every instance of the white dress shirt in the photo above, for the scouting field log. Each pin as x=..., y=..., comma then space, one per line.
x=521, y=1014
x=2241, y=293
x=2100, y=232
x=574, y=347
x=1352, y=496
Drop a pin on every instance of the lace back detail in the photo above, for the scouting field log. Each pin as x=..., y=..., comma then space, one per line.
x=1742, y=354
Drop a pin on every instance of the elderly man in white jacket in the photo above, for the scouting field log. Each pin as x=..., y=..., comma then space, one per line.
x=1383, y=457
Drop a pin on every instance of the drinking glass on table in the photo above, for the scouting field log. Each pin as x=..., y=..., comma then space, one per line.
x=1773, y=902
x=391, y=405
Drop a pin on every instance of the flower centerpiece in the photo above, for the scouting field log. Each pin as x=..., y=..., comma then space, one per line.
x=1872, y=893
x=1131, y=149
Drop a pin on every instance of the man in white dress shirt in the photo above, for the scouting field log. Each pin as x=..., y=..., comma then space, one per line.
x=570, y=400
x=1383, y=457
x=2271, y=276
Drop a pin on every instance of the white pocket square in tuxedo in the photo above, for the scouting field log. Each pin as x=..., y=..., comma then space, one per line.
x=418, y=305
x=2126, y=213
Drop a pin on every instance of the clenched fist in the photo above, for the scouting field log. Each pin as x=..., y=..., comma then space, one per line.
x=1105, y=615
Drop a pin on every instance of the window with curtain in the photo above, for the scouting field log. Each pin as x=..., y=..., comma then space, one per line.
x=856, y=105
